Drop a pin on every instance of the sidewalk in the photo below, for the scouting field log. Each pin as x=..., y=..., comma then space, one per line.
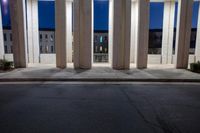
x=154, y=73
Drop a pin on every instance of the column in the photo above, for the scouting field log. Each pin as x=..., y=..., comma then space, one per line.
x=69, y=31
x=197, y=49
x=83, y=29
x=142, y=34
x=18, y=24
x=184, y=25
x=61, y=33
x=133, y=31
x=121, y=34
x=110, y=32
x=33, y=31
x=168, y=32
x=2, y=52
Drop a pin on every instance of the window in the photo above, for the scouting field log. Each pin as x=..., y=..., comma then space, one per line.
x=46, y=49
x=101, y=39
x=11, y=48
x=41, y=49
x=11, y=37
x=40, y=36
x=46, y=37
x=6, y=49
x=5, y=37
x=52, y=49
x=51, y=38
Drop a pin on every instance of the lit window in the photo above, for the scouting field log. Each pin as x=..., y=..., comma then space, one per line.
x=51, y=38
x=101, y=39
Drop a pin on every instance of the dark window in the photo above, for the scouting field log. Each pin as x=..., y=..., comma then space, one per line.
x=6, y=49
x=10, y=36
x=46, y=36
x=40, y=36
x=11, y=47
x=52, y=49
x=5, y=37
x=41, y=49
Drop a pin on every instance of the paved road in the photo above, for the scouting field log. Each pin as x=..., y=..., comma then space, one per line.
x=92, y=108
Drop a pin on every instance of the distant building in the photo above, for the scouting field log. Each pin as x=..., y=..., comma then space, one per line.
x=47, y=41
x=155, y=41
x=100, y=47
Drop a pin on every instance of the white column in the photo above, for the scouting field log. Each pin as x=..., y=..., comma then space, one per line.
x=110, y=32
x=61, y=33
x=121, y=34
x=197, y=49
x=133, y=31
x=142, y=33
x=18, y=24
x=184, y=25
x=69, y=31
x=2, y=52
x=83, y=30
x=168, y=32
x=33, y=31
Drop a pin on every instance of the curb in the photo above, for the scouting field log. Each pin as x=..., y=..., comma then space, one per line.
x=95, y=80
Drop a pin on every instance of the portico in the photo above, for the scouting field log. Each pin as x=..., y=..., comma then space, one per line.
x=128, y=33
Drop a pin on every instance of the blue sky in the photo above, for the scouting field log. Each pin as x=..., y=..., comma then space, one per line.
x=101, y=9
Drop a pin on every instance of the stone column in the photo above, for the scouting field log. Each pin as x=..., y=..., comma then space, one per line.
x=110, y=32
x=168, y=32
x=197, y=49
x=61, y=33
x=133, y=31
x=83, y=29
x=2, y=52
x=183, y=33
x=142, y=33
x=33, y=31
x=69, y=30
x=121, y=34
x=18, y=24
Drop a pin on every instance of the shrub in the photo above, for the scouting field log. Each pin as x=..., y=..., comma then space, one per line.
x=5, y=65
x=195, y=67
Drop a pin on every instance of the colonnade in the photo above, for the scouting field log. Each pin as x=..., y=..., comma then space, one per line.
x=128, y=32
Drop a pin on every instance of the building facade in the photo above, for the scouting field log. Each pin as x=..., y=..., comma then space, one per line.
x=101, y=40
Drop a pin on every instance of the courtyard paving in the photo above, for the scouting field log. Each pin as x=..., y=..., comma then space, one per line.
x=100, y=73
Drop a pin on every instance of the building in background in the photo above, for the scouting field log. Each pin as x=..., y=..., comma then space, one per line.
x=100, y=46
x=100, y=49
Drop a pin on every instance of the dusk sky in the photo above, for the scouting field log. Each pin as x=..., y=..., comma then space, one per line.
x=101, y=9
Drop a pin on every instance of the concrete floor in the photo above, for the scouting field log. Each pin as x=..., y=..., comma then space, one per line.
x=99, y=108
x=154, y=72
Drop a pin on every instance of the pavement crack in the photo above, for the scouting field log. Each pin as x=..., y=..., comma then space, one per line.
x=161, y=123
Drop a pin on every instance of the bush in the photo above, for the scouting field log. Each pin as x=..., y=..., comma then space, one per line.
x=5, y=65
x=195, y=67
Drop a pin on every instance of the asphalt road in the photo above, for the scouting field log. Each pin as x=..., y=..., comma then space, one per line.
x=99, y=108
